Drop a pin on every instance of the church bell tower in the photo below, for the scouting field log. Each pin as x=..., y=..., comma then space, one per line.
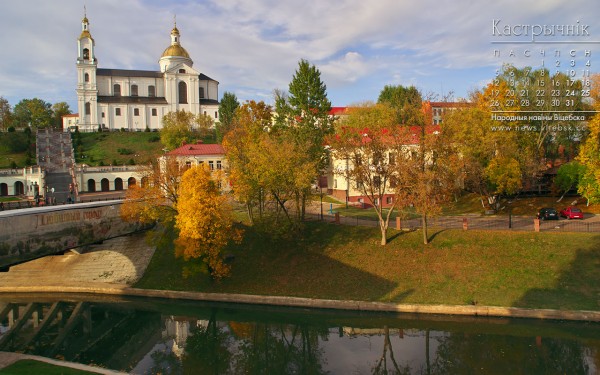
x=87, y=91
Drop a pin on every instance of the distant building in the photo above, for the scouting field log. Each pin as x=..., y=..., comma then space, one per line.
x=134, y=100
x=70, y=122
x=439, y=108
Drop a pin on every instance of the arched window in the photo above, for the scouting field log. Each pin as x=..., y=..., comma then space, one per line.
x=201, y=92
x=131, y=182
x=181, y=70
x=88, y=109
x=151, y=91
x=86, y=54
x=19, y=188
x=91, y=185
x=134, y=90
x=86, y=77
x=118, y=183
x=182, y=93
x=117, y=89
x=3, y=189
x=104, y=184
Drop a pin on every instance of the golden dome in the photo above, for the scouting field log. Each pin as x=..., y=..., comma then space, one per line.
x=85, y=34
x=175, y=31
x=175, y=50
x=85, y=20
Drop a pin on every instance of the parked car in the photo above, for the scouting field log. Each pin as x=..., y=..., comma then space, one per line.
x=572, y=213
x=547, y=213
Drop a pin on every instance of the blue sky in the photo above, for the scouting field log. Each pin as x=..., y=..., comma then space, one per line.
x=253, y=46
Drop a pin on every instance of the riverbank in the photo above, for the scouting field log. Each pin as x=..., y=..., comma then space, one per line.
x=477, y=273
x=488, y=268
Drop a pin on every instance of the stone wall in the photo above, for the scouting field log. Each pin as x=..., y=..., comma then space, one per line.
x=34, y=232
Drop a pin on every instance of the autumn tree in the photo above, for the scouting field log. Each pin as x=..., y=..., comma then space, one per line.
x=430, y=178
x=589, y=157
x=204, y=220
x=154, y=200
x=178, y=127
x=227, y=108
x=33, y=112
x=204, y=125
x=5, y=114
x=368, y=148
x=241, y=144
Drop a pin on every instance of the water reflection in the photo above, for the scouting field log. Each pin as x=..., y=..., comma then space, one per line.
x=146, y=337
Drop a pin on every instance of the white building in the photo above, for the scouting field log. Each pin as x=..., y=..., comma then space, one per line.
x=134, y=100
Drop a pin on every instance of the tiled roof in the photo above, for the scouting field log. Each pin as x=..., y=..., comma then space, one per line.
x=128, y=73
x=197, y=149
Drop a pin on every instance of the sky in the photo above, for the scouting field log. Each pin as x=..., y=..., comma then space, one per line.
x=253, y=46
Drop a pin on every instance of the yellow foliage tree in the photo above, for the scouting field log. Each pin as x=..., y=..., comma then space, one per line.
x=204, y=220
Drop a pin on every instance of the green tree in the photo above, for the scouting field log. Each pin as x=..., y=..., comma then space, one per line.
x=178, y=127
x=6, y=116
x=568, y=177
x=204, y=125
x=589, y=157
x=304, y=115
x=59, y=110
x=405, y=100
x=229, y=104
x=33, y=112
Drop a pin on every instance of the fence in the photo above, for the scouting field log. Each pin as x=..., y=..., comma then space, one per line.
x=514, y=223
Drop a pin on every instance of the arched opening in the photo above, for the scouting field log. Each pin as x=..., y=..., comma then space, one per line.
x=144, y=182
x=19, y=188
x=3, y=190
x=91, y=185
x=104, y=184
x=118, y=183
x=151, y=91
x=131, y=182
x=181, y=70
x=117, y=89
x=86, y=77
x=182, y=93
x=134, y=90
x=86, y=54
x=88, y=109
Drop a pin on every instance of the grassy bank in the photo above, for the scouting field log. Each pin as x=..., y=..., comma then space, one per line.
x=537, y=270
x=28, y=366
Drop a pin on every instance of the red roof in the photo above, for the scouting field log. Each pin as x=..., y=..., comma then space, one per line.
x=197, y=149
x=337, y=111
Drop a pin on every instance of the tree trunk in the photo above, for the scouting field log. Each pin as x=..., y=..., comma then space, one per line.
x=424, y=225
x=383, y=234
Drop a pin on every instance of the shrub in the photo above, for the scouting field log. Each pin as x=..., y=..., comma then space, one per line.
x=131, y=162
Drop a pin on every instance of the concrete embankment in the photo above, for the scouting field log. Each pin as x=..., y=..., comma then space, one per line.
x=30, y=233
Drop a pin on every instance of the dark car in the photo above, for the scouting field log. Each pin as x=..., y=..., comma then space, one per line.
x=572, y=213
x=547, y=213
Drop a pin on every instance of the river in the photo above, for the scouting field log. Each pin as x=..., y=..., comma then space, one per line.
x=153, y=336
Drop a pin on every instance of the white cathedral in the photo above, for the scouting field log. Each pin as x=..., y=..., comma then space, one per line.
x=115, y=99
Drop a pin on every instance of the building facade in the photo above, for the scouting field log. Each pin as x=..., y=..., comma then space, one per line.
x=133, y=100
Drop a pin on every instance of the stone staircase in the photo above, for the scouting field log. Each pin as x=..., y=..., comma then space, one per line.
x=55, y=154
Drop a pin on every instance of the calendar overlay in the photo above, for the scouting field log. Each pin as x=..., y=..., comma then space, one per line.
x=545, y=72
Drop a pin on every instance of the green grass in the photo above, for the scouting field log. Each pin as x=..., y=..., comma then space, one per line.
x=9, y=199
x=107, y=147
x=28, y=367
x=537, y=270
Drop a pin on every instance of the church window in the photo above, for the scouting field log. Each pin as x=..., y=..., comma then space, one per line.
x=181, y=70
x=201, y=92
x=182, y=93
x=134, y=90
x=153, y=111
x=216, y=114
x=103, y=115
x=117, y=111
x=151, y=91
x=117, y=89
x=136, y=111
x=86, y=77
x=88, y=109
x=86, y=54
